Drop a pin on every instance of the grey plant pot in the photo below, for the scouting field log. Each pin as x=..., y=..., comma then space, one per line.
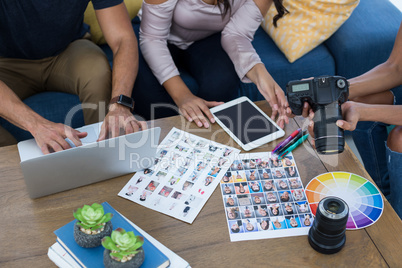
x=133, y=263
x=91, y=241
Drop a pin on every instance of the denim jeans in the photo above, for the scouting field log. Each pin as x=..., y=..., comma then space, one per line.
x=394, y=164
x=383, y=165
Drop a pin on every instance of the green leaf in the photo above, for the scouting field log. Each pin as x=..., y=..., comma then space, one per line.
x=85, y=208
x=97, y=206
x=105, y=242
x=140, y=239
x=114, y=235
x=126, y=253
x=79, y=217
x=83, y=225
x=126, y=241
x=77, y=214
x=97, y=227
x=116, y=255
x=137, y=245
x=110, y=245
x=120, y=230
x=98, y=209
x=102, y=220
x=108, y=217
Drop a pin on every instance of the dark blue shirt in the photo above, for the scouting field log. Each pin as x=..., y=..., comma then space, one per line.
x=36, y=29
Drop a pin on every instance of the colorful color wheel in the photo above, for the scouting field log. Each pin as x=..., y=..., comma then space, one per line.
x=363, y=198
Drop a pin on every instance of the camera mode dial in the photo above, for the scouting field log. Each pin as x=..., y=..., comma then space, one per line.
x=341, y=83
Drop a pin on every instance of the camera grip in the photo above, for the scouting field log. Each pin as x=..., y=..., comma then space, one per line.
x=296, y=105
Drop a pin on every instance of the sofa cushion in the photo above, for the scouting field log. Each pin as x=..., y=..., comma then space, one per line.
x=90, y=18
x=317, y=62
x=307, y=25
x=53, y=106
x=366, y=39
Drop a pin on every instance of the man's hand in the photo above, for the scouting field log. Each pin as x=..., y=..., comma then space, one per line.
x=196, y=109
x=119, y=121
x=50, y=136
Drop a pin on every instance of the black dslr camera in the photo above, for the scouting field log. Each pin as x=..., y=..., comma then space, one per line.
x=325, y=94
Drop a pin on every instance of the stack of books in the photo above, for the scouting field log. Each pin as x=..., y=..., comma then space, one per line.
x=67, y=253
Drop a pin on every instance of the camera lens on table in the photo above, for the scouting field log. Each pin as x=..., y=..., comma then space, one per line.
x=327, y=235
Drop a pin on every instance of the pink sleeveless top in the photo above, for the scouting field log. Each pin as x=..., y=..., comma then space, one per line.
x=181, y=22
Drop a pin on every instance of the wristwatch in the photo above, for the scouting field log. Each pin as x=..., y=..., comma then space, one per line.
x=123, y=100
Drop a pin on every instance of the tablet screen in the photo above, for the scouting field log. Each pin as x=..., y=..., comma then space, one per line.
x=246, y=122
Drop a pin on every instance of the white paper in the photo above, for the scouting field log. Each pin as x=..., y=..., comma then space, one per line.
x=175, y=260
x=187, y=170
x=60, y=257
x=264, y=198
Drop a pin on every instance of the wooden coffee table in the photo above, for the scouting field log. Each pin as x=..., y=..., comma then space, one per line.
x=27, y=225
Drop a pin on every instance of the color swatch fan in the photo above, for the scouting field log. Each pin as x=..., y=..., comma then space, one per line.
x=363, y=198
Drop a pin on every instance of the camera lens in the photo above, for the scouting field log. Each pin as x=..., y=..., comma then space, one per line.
x=329, y=138
x=327, y=234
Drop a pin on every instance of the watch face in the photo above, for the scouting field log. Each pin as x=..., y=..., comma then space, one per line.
x=126, y=101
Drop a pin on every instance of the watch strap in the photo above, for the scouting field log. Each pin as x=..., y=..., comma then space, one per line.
x=123, y=100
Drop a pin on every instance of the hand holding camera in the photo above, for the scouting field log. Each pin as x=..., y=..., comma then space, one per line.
x=325, y=95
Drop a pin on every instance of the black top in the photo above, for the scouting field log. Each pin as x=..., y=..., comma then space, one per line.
x=36, y=29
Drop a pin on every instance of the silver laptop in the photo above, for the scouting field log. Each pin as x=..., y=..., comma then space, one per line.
x=92, y=162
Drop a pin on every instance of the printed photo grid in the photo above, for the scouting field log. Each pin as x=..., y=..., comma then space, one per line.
x=264, y=198
x=186, y=172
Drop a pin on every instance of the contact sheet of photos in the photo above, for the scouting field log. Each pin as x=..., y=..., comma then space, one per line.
x=264, y=198
x=186, y=172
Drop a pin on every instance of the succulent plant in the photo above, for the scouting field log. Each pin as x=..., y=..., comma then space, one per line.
x=92, y=217
x=122, y=245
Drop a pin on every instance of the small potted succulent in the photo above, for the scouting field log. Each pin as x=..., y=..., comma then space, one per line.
x=92, y=225
x=123, y=249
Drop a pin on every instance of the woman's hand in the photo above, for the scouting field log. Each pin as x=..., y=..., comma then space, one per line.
x=306, y=112
x=351, y=115
x=196, y=109
x=277, y=100
x=272, y=92
x=191, y=107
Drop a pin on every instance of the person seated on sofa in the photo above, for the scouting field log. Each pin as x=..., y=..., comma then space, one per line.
x=372, y=98
x=43, y=48
x=212, y=40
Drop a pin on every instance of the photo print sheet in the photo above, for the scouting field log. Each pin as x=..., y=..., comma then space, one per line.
x=264, y=198
x=186, y=172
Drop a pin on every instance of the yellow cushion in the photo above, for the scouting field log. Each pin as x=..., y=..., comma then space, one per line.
x=90, y=18
x=309, y=23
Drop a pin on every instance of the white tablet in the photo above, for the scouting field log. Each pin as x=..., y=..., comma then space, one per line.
x=246, y=123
